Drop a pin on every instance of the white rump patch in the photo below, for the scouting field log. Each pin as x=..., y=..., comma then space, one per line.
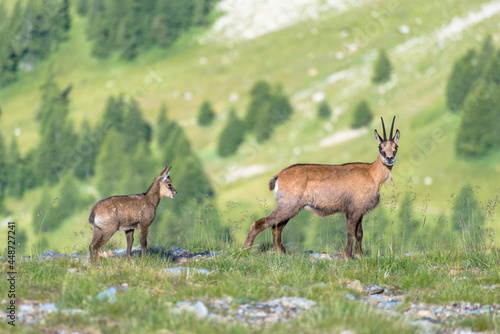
x=276, y=188
x=98, y=221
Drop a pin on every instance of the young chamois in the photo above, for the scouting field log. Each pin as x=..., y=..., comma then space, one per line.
x=324, y=190
x=127, y=213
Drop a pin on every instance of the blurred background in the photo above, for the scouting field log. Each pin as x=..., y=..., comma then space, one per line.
x=97, y=96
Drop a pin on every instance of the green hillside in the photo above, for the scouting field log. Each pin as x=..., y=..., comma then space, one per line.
x=332, y=54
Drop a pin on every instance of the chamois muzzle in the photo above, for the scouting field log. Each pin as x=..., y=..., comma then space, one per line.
x=390, y=161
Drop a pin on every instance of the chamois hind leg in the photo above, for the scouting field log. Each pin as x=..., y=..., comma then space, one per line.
x=93, y=250
x=278, y=246
x=143, y=238
x=279, y=215
x=351, y=223
x=130, y=241
x=359, y=238
x=102, y=237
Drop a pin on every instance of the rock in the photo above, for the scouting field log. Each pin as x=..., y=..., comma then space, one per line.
x=49, y=308
x=378, y=298
x=424, y=313
x=120, y=252
x=73, y=270
x=350, y=297
x=389, y=304
x=373, y=290
x=27, y=308
x=200, y=309
x=49, y=253
x=355, y=285
x=291, y=302
x=108, y=295
x=176, y=271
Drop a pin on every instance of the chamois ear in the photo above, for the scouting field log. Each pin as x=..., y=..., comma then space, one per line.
x=168, y=172
x=378, y=138
x=163, y=170
x=396, y=137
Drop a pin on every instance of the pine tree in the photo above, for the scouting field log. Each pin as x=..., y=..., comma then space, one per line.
x=82, y=7
x=57, y=137
x=485, y=54
x=135, y=129
x=324, y=110
x=479, y=130
x=60, y=23
x=88, y=147
x=362, y=115
x=382, y=68
x=232, y=135
x=114, y=113
x=109, y=165
x=260, y=99
x=187, y=171
x=163, y=126
x=69, y=200
x=139, y=171
x=461, y=81
x=99, y=28
x=8, y=56
x=206, y=114
x=281, y=109
x=467, y=218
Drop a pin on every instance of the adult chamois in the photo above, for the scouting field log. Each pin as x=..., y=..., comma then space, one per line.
x=127, y=213
x=324, y=190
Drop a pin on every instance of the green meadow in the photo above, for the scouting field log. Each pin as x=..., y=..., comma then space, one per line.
x=412, y=244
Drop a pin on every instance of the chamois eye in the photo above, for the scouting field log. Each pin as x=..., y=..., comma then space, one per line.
x=169, y=186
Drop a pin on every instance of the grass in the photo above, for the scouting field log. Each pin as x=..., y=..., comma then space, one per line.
x=147, y=304
x=417, y=99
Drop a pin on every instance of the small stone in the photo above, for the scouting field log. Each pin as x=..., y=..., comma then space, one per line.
x=424, y=313
x=389, y=304
x=49, y=308
x=120, y=252
x=26, y=308
x=124, y=285
x=108, y=295
x=200, y=309
x=350, y=297
x=355, y=285
x=49, y=253
x=73, y=270
x=378, y=298
x=176, y=271
x=439, y=309
x=375, y=290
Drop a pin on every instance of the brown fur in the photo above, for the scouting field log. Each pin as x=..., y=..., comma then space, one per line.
x=324, y=190
x=128, y=213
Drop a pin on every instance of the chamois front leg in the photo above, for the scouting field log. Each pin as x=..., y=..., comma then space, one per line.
x=130, y=241
x=359, y=238
x=278, y=246
x=143, y=238
x=351, y=223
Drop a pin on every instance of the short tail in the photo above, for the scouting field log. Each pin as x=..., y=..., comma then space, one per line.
x=91, y=217
x=272, y=183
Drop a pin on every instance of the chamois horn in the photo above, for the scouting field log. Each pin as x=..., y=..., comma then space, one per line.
x=383, y=127
x=392, y=127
